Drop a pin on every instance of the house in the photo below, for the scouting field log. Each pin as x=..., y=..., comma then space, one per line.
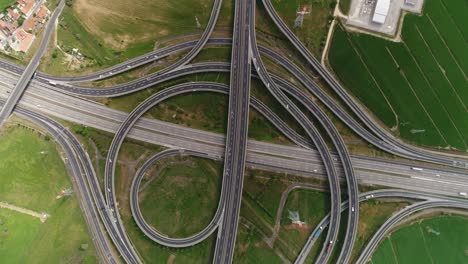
x=7, y=28
x=27, y=9
x=42, y=14
x=13, y=13
x=29, y=24
x=21, y=40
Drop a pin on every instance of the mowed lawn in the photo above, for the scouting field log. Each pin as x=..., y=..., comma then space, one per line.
x=437, y=240
x=419, y=86
x=31, y=175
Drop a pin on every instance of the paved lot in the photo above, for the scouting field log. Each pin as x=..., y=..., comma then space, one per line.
x=361, y=12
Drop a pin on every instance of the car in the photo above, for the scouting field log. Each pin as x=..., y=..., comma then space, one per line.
x=352, y=209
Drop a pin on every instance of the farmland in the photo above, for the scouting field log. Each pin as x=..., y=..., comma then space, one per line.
x=437, y=240
x=417, y=87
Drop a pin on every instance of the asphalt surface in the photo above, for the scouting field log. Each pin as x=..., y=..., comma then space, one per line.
x=261, y=155
x=244, y=48
x=236, y=137
x=353, y=212
x=411, y=151
x=28, y=73
x=387, y=193
x=157, y=78
x=120, y=239
x=314, y=135
x=149, y=231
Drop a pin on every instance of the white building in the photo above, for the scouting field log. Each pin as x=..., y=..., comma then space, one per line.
x=381, y=11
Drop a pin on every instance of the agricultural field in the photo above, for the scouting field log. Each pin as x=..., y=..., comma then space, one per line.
x=31, y=175
x=417, y=87
x=441, y=239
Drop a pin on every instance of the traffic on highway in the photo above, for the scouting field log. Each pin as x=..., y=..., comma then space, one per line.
x=425, y=178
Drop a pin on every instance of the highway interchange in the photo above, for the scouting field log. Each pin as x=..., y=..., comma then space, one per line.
x=60, y=97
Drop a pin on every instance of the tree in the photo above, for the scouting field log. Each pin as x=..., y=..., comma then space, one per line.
x=20, y=21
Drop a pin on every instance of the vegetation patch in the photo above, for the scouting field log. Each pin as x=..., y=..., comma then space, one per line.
x=310, y=207
x=418, y=86
x=314, y=29
x=441, y=239
x=191, y=192
x=31, y=175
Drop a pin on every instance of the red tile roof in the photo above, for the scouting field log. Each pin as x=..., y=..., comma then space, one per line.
x=13, y=13
x=29, y=24
x=42, y=12
x=27, y=7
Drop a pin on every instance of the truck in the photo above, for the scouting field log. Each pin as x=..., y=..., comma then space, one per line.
x=369, y=196
x=317, y=233
x=52, y=83
x=462, y=193
x=416, y=169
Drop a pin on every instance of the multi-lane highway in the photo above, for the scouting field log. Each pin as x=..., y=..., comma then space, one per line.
x=236, y=136
x=411, y=151
x=314, y=135
x=124, y=247
x=75, y=161
x=28, y=73
x=388, y=193
x=308, y=159
x=263, y=155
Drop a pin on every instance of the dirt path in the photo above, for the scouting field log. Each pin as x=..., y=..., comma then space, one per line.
x=271, y=240
x=42, y=216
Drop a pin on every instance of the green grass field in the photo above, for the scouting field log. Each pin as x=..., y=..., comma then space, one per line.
x=415, y=244
x=31, y=180
x=251, y=249
x=418, y=86
x=312, y=206
x=6, y=3
x=314, y=28
x=191, y=191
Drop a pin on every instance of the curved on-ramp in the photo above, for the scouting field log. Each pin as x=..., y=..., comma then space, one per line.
x=152, y=233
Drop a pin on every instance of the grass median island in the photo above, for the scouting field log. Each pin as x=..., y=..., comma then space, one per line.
x=418, y=86
x=442, y=239
x=31, y=175
x=190, y=189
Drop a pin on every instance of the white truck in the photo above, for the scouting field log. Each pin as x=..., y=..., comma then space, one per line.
x=416, y=169
x=462, y=193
